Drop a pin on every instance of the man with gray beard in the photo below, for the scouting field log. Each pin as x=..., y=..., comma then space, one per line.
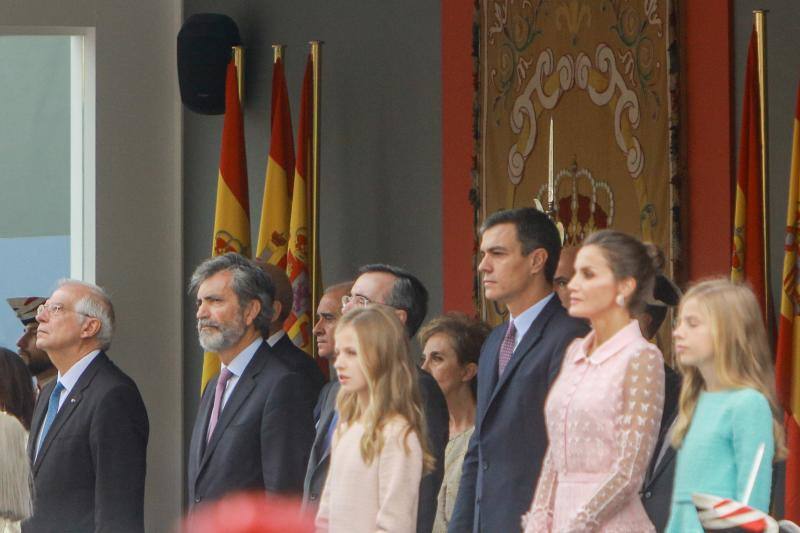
x=255, y=424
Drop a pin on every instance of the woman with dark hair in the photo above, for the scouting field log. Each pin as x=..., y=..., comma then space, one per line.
x=451, y=347
x=604, y=409
x=17, y=395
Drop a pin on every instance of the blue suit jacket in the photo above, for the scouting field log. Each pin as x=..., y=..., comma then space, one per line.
x=506, y=450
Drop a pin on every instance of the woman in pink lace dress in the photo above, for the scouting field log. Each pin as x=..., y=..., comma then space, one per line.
x=603, y=411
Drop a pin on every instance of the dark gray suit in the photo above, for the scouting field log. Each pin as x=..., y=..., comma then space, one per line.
x=656, y=490
x=264, y=433
x=318, y=463
x=438, y=426
x=89, y=473
x=506, y=450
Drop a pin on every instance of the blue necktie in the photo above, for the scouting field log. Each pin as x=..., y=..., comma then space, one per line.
x=52, y=410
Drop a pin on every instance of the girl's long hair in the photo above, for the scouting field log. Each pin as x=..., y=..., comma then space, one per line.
x=391, y=377
x=742, y=357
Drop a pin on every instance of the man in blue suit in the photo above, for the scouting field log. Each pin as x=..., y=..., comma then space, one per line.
x=519, y=361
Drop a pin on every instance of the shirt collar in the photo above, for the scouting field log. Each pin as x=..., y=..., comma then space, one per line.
x=525, y=319
x=275, y=337
x=72, y=375
x=241, y=361
x=619, y=340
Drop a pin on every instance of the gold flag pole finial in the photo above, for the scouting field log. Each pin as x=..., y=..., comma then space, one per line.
x=238, y=61
x=316, y=53
x=759, y=21
x=277, y=52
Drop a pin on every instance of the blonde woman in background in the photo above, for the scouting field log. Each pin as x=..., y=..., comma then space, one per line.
x=379, y=451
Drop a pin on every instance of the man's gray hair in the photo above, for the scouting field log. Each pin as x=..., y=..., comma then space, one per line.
x=249, y=282
x=96, y=304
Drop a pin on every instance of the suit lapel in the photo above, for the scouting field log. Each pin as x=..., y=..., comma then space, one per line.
x=244, y=387
x=69, y=406
x=201, y=425
x=526, y=345
x=319, y=452
x=669, y=456
x=487, y=381
x=39, y=413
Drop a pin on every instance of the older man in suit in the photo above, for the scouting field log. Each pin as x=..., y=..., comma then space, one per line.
x=88, y=440
x=255, y=425
x=329, y=311
x=519, y=361
x=401, y=290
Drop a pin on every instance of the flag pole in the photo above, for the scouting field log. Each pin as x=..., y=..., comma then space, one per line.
x=316, y=53
x=759, y=20
x=277, y=52
x=238, y=61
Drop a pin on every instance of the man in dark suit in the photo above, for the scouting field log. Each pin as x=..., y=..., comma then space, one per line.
x=88, y=439
x=656, y=490
x=397, y=288
x=519, y=362
x=278, y=340
x=328, y=312
x=255, y=426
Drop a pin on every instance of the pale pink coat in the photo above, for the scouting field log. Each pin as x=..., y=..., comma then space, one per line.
x=603, y=415
x=378, y=497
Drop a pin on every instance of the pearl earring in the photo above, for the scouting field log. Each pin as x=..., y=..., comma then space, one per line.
x=620, y=300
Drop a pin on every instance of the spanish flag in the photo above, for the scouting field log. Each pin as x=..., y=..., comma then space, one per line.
x=748, y=231
x=298, y=325
x=273, y=232
x=232, y=215
x=787, y=363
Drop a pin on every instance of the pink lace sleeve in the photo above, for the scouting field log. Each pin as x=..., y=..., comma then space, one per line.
x=643, y=402
x=540, y=516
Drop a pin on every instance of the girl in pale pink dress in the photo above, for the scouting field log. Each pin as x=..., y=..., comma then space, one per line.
x=604, y=410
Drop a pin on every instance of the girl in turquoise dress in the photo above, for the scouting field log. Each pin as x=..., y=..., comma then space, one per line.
x=727, y=407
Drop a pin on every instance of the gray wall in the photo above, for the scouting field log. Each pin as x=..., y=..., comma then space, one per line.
x=138, y=215
x=783, y=76
x=381, y=137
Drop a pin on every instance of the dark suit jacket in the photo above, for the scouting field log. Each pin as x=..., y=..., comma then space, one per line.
x=438, y=426
x=303, y=363
x=263, y=435
x=656, y=490
x=506, y=450
x=317, y=470
x=89, y=474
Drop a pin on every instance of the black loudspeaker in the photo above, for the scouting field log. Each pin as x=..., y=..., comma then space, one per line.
x=204, y=50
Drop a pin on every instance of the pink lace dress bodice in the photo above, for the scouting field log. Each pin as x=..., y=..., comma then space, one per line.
x=603, y=415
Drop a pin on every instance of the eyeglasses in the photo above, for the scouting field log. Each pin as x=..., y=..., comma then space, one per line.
x=55, y=309
x=358, y=300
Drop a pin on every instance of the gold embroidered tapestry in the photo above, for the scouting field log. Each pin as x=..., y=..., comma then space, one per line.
x=605, y=71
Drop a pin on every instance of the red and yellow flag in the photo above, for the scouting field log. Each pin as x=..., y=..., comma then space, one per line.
x=298, y=325
x=232, y=214
x=748, y=231
x=273, y=232
x=787, y=363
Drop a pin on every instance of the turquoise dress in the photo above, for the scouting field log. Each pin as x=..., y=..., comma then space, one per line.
x=717, y=454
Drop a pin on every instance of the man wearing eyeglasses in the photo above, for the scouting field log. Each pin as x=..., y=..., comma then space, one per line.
x=398, y=288
x=88, y=439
